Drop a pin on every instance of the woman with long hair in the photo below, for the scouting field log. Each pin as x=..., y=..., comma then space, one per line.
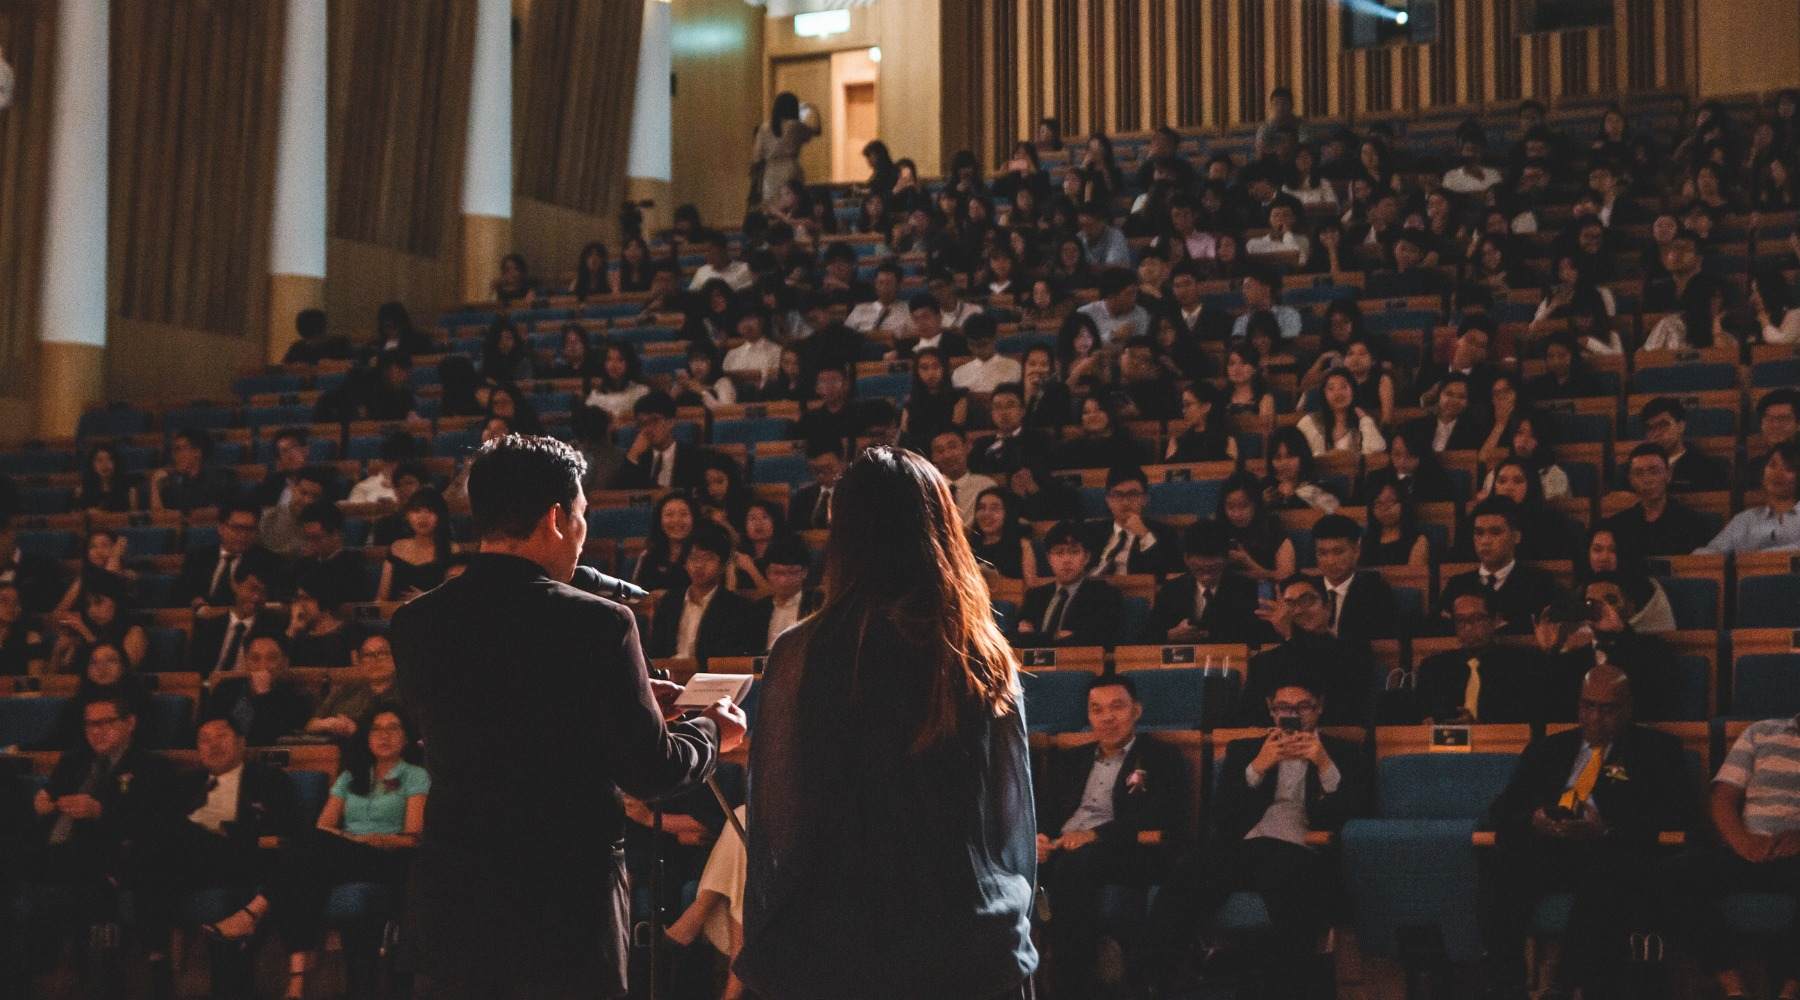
x=662, y=564
x=777, y=145
x=592, y=274
x=882, y=172
x=105, y=485
x=1259, y=548
x=618, y=383
x=419, y=561
x=636, y=265
x=894, y=709
x=1290, y=484
x=1337, y=423
x=1000, y=538
x=1392, y=536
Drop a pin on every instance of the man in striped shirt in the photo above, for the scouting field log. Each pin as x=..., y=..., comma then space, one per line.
x=1756, y=808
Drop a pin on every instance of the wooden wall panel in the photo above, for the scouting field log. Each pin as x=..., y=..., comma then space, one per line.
x=27, y=30
x=579, y=69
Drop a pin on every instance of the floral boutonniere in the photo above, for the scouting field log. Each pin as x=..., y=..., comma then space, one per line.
x=1615, y=772
x=390, y=785
x=124, y=781
x=1136, y=782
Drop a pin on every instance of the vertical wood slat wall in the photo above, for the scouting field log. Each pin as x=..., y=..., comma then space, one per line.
x=27, y=29
x=1211, y=63
x=580, y=79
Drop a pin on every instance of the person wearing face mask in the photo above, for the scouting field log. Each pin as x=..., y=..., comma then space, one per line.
x=1272, y=791
x=1597, y=630
x=1301, y=619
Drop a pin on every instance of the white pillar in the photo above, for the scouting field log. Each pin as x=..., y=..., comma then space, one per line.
x=297, y=237
x=650, y=113
x=487, y=162
x=73, y=307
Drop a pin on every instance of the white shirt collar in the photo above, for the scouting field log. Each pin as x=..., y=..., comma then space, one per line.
x=1500, y=575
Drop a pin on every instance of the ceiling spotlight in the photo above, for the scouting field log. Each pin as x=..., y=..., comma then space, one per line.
x=1402, y=17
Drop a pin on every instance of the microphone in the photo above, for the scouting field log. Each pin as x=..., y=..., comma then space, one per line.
x=595, y=582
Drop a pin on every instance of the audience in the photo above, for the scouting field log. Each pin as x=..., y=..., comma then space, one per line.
x=1481, y=680
x=1301, y=624
x=1773, y=525
x=1518, y=589
x=1128, y=542
x=1072, y=609
x=221, y=639
x=1213, y=601
x=419, y=561
x=264, y=703
x=704, y=618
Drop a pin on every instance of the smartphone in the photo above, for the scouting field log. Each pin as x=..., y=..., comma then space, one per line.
x=1265, y=591
x=1288, y=723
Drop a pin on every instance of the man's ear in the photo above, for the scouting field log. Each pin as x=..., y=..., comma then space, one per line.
x=555, y=521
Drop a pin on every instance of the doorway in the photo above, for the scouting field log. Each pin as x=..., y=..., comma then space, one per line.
x=810, y=80
x=854, y=76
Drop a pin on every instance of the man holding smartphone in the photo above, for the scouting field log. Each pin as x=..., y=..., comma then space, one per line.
x=1274, y=789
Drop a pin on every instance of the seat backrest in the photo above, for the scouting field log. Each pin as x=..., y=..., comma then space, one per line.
x=1765, y=685
x=1694, y=601
x=28, y=722
x=1769, y=602
x=310, y=789
x=1055, y=700
x=1441, y=785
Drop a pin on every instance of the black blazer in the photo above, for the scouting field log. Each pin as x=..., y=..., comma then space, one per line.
x=1004, y=456
x=265, y=806
x=1512, y=685
x=1094, y=616
x=1345, y=668
x=1370, y=611
x=210, y=634
x=1643, y=788
x=1230, y=613
x=1163, y=557
x=1528, y=590
x=264, y=719
x=1696, y=472
x=1468, y=433
x=690, y=470
x=136, y=807
x=725, y=628
x=1153, y=802
x=763, y=609
x=525, y=689
x=199, y=565
x=1237, y=808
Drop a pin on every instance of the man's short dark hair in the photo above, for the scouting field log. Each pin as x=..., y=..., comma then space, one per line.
x=1664, y=405
x=1126, y=474
x=1314, y=583
x=121, y=705
x=238, y=506
x=275, y=636
x=824, y=445
x=890, y=267
x=513, y=480
x=1779, y=397
x=298, y=434
x=412, y=470
x=1205, y=538
x=1497, y=506
x=1066, y=533
x=1482, y=594
x=201, y=440
x=709, y=537
x=922, y=301
x=840, y=252
x=1113, y=681
x=980, y=327
x=253, y=566
x=1095, y=210
x=659, y=404
x=789, y=551
x=323, y=585
x=1114, y=280
x=1336, y=526
x=399, y=446
x=232, y=722
x=309, y=323
x=1013, y=389
x=324, y=475
x=1646, y=450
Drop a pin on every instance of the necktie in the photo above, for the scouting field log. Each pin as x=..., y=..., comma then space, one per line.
x=212, y=783
x=1118, y=555
x=1053, y=618
x=228, y=654
x=1201, y=597
x=820, y=518
x=65, y=824
x=880, y=318
x=1331, y=607
x=1584, y=782
x=1490, y=581
x=219, y=592
x=1472, y=690
x=656, y=469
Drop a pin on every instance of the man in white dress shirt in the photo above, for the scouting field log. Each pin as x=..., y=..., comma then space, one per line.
x=950, y=453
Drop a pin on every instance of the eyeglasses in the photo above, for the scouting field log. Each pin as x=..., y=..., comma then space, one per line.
x=1303, y=600
x=388, y=727
x=98, y=723
x=1294, y=708
x=377, y=654
x=1126, y=494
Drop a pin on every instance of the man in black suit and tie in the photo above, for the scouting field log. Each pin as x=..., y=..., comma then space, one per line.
x=1109, y=813
x=705, y=618
x=1519, y=591
x=1480, y=680
x=1127, y=542
x=811, y=506
x=1272, y=791
x=655, y=459
x=1359, y=606
x=790, y=599
x=519, y=888
x=1211, y=602
x=1581, y=815
x=1074, y=609
x=1468, y=359
x=222, y=638
x=1345, y=669
x=1690, y=471
x=206, y=573
x=323, y=554
x=1193, y=318
x=1456, y=425
x=1013, y=446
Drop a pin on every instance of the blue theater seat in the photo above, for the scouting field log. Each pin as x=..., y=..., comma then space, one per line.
x=1055, y=700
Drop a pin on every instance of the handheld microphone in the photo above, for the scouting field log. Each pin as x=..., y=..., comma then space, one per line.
x=595, y=582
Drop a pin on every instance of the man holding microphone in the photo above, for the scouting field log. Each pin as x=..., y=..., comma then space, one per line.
x=535, y=706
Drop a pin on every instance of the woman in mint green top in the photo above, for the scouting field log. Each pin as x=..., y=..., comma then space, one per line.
x=365, y=833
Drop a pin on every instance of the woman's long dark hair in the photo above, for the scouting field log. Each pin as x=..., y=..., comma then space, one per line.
x=428, y=498
x=906, y=609
x=785, y=109
x=592, y=282
x=359, y=760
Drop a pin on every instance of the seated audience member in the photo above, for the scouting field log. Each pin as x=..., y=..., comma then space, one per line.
x=789, y=598
x=22, y=646
x=838, y=416
x=656, y=459
x=1520, y=591
x=105, y=616
x=1480, y=680
x=703, y=619
x=1603, y=555
x=37, y=576
x=378, y=486
x=103, y=558
x=1272, y=791
x=221, y=640
x=316, y=344
x=291, y=453
x=1774, y=524
x=1206, y=437
x=1259, y=547
x=105, y=674
x=419, y=561
x=663, y=563
x=1658, y=524
x=1453, y=426
x=1212, y=601
x=352, y=700
x=1127, y=541
x=1116, y=314
x=372, y=818
x=719, y=264
x=324, y=560
x=1545, y=532
x=1014, y=445
x=1101, y=442
x=926, y=332
x=1581, y=815
x=1144, y=387
x=1262, y=290
x=619, y=384
x=950, y=453
x=1072, y=609
x=1468, y=358
x=1292, y=481
x=1754, y=804
x=1343, y=668
x=264, y=703
x=1410, y=275
x=1392, y=536
x=1359, y=604
x=756, y=358
x=1337, y=423
x=1690, y=470
x=1000, y=539
x=224, y=808
x=1109, y=813
x=409, y=478
x=106, y=801
x=207, y=573
x=1413, y=469
x=189, y=481
x=1103, y=245
x=810, y=506
x=104, y=485
x=987, y=369
x=1777, y=422
x=885, y=317
x=279, y=528
x=1577, y=636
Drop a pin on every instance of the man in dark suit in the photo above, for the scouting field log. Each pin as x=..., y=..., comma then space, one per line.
x=1344, y=668
x=1658, y=524
x=38, y=577
x=1109, y=813
x=789, y=600
x=1581, y=815
x=1127, y=542
x=1593, y=628
x=207, y=572
x=810, y=507
x=1456, y=425
x=1013, y=446
x=323, y=555
x=1210, y=602
x=1690, y=471
x=1272, y=791
x=705, y=618
x=518, y=888
x=656, y=460
x=1520, y=591
x=1195, y=319
x=221, y=640
x=1469, y=359
x=1359, y=606
x=1480, y=680
x=1071, y=610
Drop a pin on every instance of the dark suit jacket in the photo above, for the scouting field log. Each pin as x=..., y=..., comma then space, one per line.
x=802, y=506
x=1163, y=557
x=1213, y=324
x=1030, y=447
x=266, y=718
x=1369, y=611
x=199, y=565
x=1237, y=808
x=1344, y=668
x=757, y=620
x=1154, y=802
x=725, y=628
x=1647, y=661
x=210, y=634
x=1230, y=613
x=1512, y=685
x=1468, y=434
x=519, y=865
x=1527, y=591
x=136, y=806
x=1643, y=787
x=265, y=806
x=1094, y=616
x=690, y=469
x=39, y=579
x=1697, y=472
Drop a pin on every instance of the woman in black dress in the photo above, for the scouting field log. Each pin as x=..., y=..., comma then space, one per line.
x=935, y=404
x=1206, y=438
x=1259, y=548
x=663, y=563
x=104, y=485
x=1392, y=536
x=1000, y=538
x=418, y=562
